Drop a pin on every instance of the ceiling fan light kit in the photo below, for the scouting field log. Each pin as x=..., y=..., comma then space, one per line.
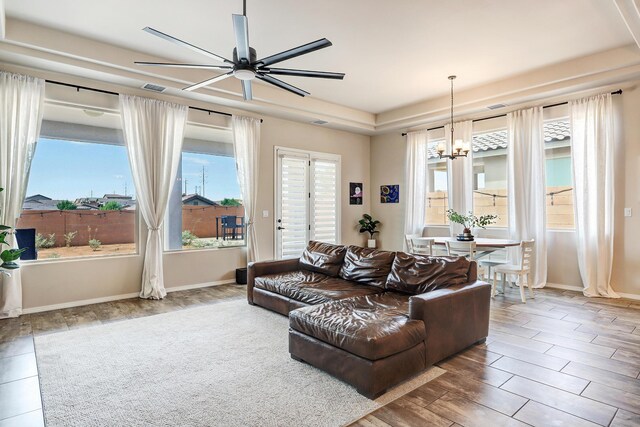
x=245, y=66
x=458, y=148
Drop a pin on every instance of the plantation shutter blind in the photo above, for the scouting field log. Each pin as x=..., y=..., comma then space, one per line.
x=294, y=204
x=324, y=200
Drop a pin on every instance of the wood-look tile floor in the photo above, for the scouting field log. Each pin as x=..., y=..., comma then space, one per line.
x=561, y=359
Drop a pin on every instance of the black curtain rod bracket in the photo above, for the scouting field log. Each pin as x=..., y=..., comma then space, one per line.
x=616, y=92
x=108, y=92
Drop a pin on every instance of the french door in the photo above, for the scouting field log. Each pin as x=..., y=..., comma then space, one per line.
x=307, y=200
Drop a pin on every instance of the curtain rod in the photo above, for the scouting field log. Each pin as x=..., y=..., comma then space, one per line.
x=617, y=92
x=108, y=92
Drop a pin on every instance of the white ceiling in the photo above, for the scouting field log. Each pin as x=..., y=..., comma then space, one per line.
x=394, y=53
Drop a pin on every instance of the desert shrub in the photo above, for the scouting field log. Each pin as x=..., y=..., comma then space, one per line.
x=45, y=242
x=95, y=244
x=54, y=255
x=66, y=205
x=188, y=238
x=230, y=202
x=111, y=206
x=68, y=238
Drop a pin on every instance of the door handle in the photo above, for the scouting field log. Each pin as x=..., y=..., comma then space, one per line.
x=280, y=228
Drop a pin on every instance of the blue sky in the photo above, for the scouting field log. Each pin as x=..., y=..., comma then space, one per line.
x=69, y=170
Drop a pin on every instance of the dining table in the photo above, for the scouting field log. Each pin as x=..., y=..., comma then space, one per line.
x=484, y=245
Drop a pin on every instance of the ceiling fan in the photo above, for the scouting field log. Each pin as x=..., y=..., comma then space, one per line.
x=245, y=67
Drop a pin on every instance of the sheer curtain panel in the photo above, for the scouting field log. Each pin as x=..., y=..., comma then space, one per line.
x=21, y=105
x=460, y=176
x=153, y=132
x=416, y=182
x=246, y=146
x=527, y=186
x=593, y=153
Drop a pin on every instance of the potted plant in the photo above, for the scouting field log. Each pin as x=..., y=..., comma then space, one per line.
x=368, y=224
x=470, y=221
x=8, y=257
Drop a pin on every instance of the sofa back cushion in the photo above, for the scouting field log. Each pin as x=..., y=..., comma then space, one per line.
x=367, y=266
x=417, y=274
x=323, y=258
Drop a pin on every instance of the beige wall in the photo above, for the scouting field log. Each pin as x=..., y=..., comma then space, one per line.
x=354, y=150
x=387, y=167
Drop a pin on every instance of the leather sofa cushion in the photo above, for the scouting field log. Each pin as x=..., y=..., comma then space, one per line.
x=371, y=326
x=367, y=266
x=312, y=288
x=417, y=274
x=323, y=258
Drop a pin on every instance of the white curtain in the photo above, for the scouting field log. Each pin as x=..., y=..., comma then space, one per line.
x=153, y=132
x=593, y=152
x=246, y=146
x=21, y=105
x=460, y=176
x=416, y=182
x=527, y=186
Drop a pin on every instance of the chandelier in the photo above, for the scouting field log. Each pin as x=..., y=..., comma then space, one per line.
x=458, y=148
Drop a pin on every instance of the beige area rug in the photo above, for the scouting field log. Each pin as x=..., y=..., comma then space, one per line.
x=225, y=364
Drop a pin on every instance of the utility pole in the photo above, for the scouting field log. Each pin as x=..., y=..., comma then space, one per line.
x=185, y=186
x=203, y=181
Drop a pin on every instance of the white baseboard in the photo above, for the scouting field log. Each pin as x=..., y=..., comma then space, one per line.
x=629, y=296
x=110, y=298
x=563, y=286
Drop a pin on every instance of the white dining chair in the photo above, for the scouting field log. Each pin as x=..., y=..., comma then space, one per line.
x=488, y=264
x=422, y=245
x=408, y=240
x=458, y=248
x=522, y=270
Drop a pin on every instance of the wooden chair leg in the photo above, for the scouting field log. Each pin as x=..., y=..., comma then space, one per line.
x=504, y=279
x=521, y=286
x=493, y=284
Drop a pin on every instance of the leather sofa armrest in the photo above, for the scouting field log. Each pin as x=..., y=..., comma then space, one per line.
x=454, y=318
x=262, y=268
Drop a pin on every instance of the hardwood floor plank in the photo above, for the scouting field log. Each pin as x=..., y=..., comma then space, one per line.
x=539, y=415
x=369, y=421
x=479, y=392
x=596, y=361
x=470, y=414
x=613, y=396
x=632, y=357
x=579, y=406
x=480, y=354
x=478, y=371
x=602, y=376
x=546, y=324
x=512, y=329
x=543, y=311
x=598, y=327
x=425, y=394
x=524, y=343
x=593, y=348
x=544, y=360
x=615, y=343
x=625, y=419
x=543, y=375
x=399, y=415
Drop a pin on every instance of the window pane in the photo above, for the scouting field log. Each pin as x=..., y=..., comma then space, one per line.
x=490, y=176
x=559, y=175
x=437, y=195
x=80, y=199
x=211, y=213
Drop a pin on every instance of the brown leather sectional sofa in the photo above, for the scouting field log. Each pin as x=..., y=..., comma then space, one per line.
x=373, y=318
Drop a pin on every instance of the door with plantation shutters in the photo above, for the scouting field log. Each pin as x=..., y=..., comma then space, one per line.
x=307, y=200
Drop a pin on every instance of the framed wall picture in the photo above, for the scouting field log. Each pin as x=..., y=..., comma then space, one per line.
x=355, y=193
x=390, y=193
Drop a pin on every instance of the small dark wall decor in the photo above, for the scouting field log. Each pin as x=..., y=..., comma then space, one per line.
x=390, y=193
x=355, y=193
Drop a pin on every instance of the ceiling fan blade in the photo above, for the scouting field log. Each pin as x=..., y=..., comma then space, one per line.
x=247, y=93
x=182, y=43
x=208, y=81
x=171, y=64
x=241, y=30
x=283, y=85
x=302, y=73
x=296, y=51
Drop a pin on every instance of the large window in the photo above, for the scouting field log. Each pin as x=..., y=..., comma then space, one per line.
x=205, y=209
x=559, y=175
x=490, y=176
x=437, y=195
x=80, y=198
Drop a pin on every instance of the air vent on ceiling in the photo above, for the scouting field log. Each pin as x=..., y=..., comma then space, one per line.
x=320, y=122
x=153, y=88
x=496, y=106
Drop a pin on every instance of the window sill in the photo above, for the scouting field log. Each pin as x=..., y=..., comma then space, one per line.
x=188, y=251
x=76, y=259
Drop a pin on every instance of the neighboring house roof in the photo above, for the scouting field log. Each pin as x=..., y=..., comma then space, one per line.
x=187, y=198
x=43, y=203
x=36, y=198
x=553, y=132
x=116, y=196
